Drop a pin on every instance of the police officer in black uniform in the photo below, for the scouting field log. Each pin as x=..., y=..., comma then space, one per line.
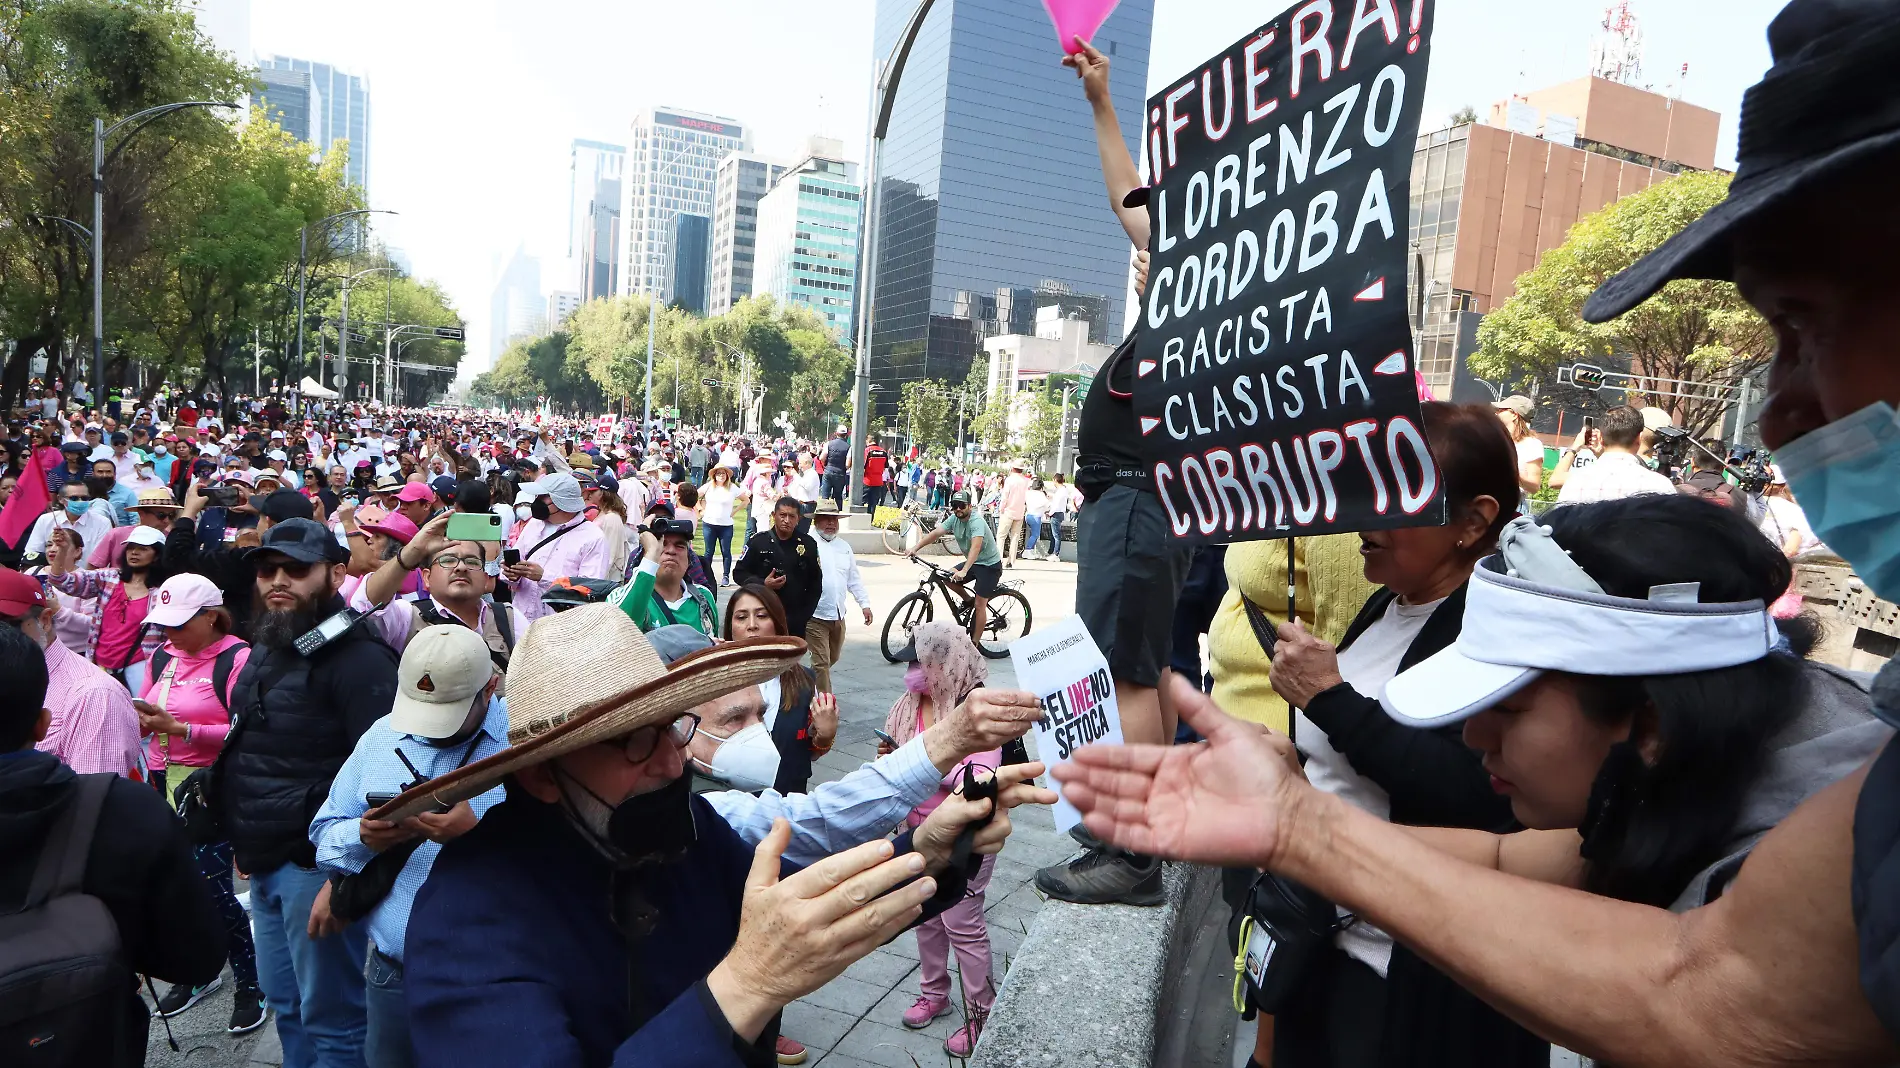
x=785, y=561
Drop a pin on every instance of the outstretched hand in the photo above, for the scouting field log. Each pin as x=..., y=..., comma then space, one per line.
x=1227, y=800
x=1092, y=67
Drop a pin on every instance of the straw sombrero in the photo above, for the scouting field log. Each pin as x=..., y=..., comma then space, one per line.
x=562, y=695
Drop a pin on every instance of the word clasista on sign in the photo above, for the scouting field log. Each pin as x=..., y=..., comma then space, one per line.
x=1274, y=379
x=1065, y=669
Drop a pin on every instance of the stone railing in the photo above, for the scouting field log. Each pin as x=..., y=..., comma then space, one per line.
x=1113, y=986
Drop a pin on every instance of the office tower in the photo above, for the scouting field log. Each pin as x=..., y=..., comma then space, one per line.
x=686, y=250
x=741, y=179
x=344, y=113
x=600, y=252
x=671, y=156
x=990, y=199
x=290, y=100
x=593, y=190
x=561, y=304
x=1490, y=198
x=808, y=235
x=517, y=309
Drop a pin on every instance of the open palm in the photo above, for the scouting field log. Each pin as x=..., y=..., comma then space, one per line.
x=1221, y=801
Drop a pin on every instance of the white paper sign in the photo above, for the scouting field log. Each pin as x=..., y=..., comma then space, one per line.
x=1067, y=672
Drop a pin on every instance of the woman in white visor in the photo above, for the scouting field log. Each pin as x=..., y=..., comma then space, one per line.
x=1619, y=673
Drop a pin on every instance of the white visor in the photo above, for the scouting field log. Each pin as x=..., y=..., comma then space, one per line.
x=1515, y=630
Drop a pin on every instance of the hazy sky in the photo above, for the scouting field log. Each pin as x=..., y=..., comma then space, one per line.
x=474, y=102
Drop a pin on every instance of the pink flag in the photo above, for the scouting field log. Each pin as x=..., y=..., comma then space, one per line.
x=27, y=503
x=1424, y=391
x=1077, y=18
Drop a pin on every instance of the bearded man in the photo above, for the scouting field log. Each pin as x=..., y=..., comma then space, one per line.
x=297, y=716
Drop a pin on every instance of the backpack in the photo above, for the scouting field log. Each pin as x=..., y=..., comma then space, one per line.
x=220, y=671
x=65, y=986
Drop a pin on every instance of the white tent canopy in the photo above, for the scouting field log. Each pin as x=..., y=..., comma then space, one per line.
x=313, y=388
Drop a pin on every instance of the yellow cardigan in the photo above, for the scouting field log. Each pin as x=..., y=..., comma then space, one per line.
x=1331, y=588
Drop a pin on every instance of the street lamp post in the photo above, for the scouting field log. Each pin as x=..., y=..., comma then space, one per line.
x=100, y=132
x=303, y=258
x=888, y=75
x=343, y=322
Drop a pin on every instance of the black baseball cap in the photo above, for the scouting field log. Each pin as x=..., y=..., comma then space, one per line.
x=1830, y=101
x=960, y=497
x=302, y=539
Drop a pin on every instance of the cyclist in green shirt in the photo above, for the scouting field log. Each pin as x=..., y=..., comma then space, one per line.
x=658, y=594
x=982, y=564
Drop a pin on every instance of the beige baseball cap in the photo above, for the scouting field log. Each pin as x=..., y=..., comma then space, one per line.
x=442, y=670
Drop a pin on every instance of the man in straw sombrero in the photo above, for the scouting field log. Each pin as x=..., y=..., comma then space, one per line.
x=604, y=913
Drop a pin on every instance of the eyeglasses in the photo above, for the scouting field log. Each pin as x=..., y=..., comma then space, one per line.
x=449, y=562
x=296, y=570
x=639, y=745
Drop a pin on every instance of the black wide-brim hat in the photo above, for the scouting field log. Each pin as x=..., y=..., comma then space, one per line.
x=1830, y=101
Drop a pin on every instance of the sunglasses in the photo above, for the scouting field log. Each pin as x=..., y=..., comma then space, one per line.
x=295, y=570
x=638, y=746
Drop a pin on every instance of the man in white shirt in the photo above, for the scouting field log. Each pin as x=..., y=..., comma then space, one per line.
x=1617, y=472
x=824, y=635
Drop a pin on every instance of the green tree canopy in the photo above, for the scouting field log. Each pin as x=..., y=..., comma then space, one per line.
x=1693, y=330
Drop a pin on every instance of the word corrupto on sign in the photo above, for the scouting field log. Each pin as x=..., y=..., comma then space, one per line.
x=1274, y=384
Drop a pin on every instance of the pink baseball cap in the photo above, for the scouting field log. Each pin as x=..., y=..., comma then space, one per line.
x=180, y=598
x=415, y=491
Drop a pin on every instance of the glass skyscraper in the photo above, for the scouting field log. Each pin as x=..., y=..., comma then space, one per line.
x=808, y=239
x=668, y=171
x=992, y=202
x=339, y=106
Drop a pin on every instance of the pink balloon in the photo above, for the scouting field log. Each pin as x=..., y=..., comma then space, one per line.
x=1077, y=18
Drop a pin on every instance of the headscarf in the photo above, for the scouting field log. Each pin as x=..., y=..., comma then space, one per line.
x=952, y=668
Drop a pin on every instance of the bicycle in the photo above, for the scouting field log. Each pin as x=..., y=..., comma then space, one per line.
x=913, y=526
x=999, y=627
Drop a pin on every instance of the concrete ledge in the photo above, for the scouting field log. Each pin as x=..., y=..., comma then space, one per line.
x=1091, y=984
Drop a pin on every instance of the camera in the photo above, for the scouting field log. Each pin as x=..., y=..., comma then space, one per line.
x=1672, y=448
x=661, y=526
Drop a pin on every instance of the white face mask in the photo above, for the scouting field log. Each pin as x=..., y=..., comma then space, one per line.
x=524, y=512
x=747, y=760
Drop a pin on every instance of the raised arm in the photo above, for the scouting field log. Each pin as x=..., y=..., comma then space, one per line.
x=1118, y=166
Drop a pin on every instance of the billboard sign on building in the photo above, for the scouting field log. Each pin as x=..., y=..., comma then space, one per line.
x=687, y=122
x=1274, y=386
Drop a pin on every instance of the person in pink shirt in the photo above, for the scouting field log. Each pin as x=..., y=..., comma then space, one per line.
x=557, y=542
x=946, y=668
x=121, y=641
x=1012, y=505
x=185, y=708
x=93, y=727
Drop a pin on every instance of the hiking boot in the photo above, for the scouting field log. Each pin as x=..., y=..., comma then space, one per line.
x=924, y=1010
x=962, y=1041
x=1084, y=838
x=247, y=1012
x=1104, y=877
x=181, y=997
x=789, y=1051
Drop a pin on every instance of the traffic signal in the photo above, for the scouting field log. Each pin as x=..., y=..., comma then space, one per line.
x=1586, y=376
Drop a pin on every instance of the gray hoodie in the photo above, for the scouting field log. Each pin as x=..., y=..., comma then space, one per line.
x=1834, y=734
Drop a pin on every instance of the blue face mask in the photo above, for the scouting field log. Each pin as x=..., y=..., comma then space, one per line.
x=1842, y=476
x=77, y=508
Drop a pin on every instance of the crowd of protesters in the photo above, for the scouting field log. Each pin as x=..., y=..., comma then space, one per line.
x=533, y=797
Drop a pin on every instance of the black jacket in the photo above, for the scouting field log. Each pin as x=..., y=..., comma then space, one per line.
x=1433, y=778
x=296, y=722
x=1428, y=1020
x=798, y=561
x=791, y=731
x=141, y=867
x=230, y=571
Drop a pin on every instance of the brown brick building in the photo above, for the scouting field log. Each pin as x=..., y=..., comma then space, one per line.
x=1489, y=198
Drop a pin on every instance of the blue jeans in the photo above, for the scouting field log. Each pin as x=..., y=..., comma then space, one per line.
x=834, y=487
x=1034, y=523
x=388, y=1043
x=316, y=985
x=722, y=537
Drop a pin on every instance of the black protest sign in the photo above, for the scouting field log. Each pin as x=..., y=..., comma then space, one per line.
x=1274, y=388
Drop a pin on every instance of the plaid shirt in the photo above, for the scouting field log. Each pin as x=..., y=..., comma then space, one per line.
x=94, y=726
x=104, y=583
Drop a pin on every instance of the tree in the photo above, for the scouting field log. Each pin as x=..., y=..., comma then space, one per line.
x=1692, y=330
x=1044, y=430
x=926, y=410
x=63, y=63
x=1464, y=115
